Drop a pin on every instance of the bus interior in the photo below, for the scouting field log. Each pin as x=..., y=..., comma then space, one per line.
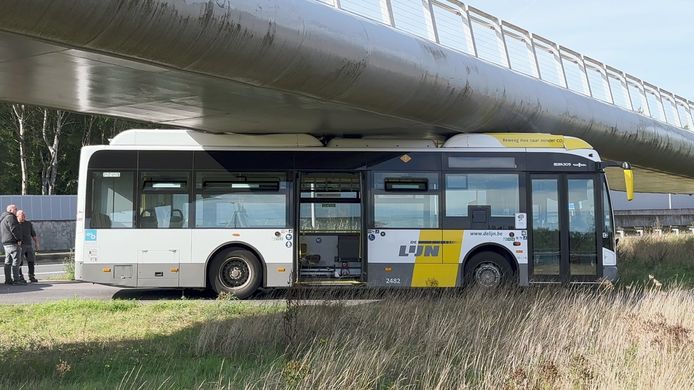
x=330, y=224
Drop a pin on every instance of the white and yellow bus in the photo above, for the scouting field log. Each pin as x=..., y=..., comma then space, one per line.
x=234, y=213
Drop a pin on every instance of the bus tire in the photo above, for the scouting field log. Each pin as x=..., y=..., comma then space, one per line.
x=235, y=271
x=488, y=270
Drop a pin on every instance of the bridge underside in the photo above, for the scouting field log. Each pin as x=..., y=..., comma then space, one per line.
x=296, y=66
x=41, y=73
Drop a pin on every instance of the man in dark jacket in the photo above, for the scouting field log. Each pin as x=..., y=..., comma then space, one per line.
x=28, y=236
x=10, y=236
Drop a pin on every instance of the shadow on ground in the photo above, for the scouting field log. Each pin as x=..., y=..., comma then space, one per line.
x=18, y=289
x=297, y=293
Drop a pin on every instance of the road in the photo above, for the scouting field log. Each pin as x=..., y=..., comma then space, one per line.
x=43, y=271
x=47, y=290
x=51, y=290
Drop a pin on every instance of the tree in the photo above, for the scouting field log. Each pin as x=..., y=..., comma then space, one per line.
x=49, y=170
x=39, y=147
x=21, y=117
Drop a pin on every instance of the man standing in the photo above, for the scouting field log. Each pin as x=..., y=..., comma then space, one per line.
x=11, y=242
x=28, y=236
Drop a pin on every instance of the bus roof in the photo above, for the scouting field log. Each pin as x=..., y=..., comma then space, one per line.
x=516, y=140
x=182, y=137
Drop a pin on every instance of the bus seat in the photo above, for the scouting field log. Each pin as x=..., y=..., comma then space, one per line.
x=100, y=221
x=176, y=219
x=148, y=219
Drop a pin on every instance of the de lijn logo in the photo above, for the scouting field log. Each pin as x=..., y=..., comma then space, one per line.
x=420, y=249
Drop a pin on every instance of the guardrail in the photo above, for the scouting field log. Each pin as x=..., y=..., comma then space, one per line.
x=470, y=30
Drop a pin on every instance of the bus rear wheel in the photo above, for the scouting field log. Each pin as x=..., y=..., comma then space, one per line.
x=235, y=271
x=488, y=270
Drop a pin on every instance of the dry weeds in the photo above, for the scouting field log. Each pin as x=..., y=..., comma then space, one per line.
x=513, y=339
x=657, y=259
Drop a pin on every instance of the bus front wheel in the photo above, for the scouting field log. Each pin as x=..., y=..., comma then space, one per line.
x=235, y=271
x=488, y=270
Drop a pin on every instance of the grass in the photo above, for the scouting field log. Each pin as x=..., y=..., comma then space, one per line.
x=512, y=339
x=628, y=336
x=99, y=344
x=68, y=269
x=669, y=258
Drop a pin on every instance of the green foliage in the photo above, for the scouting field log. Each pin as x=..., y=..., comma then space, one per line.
x=78, y=130
x=69, y=266
x=667, y=257
x=106, y=344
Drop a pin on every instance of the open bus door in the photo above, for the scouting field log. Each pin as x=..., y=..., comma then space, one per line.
x=330, y=226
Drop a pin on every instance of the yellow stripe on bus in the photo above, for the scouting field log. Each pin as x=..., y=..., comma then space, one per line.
x=434, y=275
x=532, y=140
x=430, y=245
x=440, y=270
x=454, y=243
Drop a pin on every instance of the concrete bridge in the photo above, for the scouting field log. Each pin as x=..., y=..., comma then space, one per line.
x=422, y=69
x=650, y=219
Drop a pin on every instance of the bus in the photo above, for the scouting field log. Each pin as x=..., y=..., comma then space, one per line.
x=237, y=213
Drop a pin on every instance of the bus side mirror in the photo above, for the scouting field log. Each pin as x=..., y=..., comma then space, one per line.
x=628, y=180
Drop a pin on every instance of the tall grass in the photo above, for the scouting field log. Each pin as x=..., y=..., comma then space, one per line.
x=669, y=258
x=533, y=338
x=69, y=266
x=512, y=339
x=627, y=336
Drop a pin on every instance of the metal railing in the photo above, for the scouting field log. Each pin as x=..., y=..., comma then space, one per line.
x=467, y=29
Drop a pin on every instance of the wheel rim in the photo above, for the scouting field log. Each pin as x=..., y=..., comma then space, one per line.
x=488, y=275
x=235, y=273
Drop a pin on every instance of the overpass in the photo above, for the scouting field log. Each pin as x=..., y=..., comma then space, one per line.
x=412, y=68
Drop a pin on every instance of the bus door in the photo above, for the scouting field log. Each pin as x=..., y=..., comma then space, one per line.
x=329, y=227
x=163, y=235
x=564, y=230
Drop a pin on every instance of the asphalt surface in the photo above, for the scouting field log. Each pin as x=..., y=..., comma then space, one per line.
x=47, y=290
x=43, y=271
x=52, y=290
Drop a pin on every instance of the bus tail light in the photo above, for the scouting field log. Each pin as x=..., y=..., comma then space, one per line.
x=628, y=180
x=106, y=269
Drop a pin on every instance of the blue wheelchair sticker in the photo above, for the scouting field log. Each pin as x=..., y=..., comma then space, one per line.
x=90, y=235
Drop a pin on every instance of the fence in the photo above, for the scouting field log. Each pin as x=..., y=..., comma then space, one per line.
x=53, y=217
x=470, y=30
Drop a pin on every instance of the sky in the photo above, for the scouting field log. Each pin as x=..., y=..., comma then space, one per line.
x=651, y=40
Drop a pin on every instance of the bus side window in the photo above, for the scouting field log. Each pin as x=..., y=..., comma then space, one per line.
x=406, y=200
x=111, y=196
x=164, y=200
x=241, y=200
x=500, y=191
